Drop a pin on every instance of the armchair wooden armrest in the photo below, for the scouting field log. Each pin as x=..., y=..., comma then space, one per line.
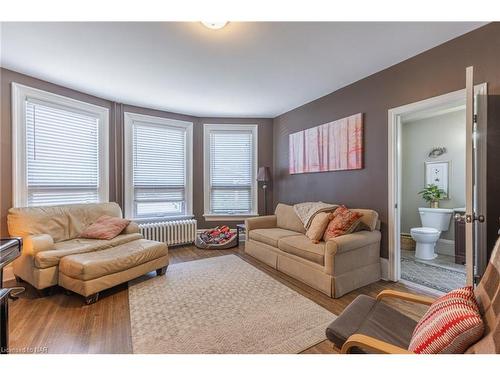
x=372, y=344
x=405, y=296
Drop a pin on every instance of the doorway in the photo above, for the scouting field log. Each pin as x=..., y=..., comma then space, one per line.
x=433, y=155
x=427, y=152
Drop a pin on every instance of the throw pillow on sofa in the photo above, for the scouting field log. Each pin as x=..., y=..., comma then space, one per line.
x=318, y=226
x=451, y=325
x=344, y=221
x=105, y=228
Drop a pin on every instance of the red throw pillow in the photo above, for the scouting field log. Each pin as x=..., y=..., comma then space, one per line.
x=344, y=222
x=105, y=228
x=451, y=325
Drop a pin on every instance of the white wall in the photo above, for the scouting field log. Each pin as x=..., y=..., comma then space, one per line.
x=418, y=138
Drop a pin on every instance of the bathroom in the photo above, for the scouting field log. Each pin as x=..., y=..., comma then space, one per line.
x=433, y=159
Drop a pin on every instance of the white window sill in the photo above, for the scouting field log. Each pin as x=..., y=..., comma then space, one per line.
x=211, y=217
x=160, y=219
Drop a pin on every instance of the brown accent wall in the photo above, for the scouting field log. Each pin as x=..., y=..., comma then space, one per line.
x=265, y=154
x=434, y=72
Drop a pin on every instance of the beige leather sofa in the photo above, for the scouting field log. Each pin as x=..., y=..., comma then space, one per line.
x=335, y=267
x=54, y=255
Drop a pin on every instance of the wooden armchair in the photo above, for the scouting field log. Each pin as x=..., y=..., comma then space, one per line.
x=374, y=345
x=368, y=325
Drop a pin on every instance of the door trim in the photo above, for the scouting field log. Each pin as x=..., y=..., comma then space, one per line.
x=470, y=198
x=481, y=91
x=394, y=167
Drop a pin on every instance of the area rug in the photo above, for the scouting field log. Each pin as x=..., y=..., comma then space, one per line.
x=222, y=305
x=431, y=276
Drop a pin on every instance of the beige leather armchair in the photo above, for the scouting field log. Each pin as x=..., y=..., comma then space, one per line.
x=50, y=236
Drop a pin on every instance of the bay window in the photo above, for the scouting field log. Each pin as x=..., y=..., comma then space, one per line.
x=157, y=167
x=230, y=171
x=60, y=149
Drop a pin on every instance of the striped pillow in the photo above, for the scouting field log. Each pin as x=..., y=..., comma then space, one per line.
x=450, y=326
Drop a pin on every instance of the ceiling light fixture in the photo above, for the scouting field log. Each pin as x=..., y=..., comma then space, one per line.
x=214, y=25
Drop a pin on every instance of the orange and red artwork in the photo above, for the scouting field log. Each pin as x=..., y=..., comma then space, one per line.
x=335, y=146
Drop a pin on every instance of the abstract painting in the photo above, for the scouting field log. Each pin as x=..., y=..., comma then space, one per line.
x=335, y=146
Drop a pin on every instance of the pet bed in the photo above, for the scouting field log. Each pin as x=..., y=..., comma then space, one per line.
x=217, y=238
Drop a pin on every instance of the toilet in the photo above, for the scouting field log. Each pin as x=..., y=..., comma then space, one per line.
x=434, y=221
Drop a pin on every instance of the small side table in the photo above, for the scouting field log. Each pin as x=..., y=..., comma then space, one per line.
x=239, y=228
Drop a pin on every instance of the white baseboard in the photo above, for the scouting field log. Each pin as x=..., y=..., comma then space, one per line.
x=384, y=269
x=445, y=247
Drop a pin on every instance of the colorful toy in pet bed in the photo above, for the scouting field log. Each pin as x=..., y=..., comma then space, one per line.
x=219, y=237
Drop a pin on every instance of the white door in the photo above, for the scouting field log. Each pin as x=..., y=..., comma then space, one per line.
x=475, y=244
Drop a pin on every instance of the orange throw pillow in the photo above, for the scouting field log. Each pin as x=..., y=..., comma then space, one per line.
x=318, y=226
x=344, y=222
x=105, y=228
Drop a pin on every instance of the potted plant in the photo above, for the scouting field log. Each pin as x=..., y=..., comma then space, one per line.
x=432, y=194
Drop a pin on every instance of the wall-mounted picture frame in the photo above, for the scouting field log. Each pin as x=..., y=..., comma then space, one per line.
x=437, y=173
x=334, y=146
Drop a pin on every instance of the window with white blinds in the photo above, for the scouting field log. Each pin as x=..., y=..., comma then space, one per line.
x=61, y=149
x=230, y=164
x=158, y=171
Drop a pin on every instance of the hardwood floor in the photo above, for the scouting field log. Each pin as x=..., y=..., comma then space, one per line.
x=62, y=323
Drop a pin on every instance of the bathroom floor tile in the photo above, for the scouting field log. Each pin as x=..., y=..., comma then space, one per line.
x=441, y=275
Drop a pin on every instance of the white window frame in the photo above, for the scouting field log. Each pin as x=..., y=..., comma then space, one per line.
x=128, y=153
x=20, y=93
x=207, y=128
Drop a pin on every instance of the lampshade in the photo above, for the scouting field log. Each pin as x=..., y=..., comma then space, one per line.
x=264, y=175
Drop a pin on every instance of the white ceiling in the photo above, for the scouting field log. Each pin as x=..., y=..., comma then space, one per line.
x=244, y=70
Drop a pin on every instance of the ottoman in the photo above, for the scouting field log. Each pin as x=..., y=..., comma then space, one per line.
x=89, y=273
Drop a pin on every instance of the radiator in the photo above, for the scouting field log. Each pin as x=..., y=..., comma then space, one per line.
x=176, y=232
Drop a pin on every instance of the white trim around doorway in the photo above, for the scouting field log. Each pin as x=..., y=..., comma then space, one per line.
x=394, y=167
